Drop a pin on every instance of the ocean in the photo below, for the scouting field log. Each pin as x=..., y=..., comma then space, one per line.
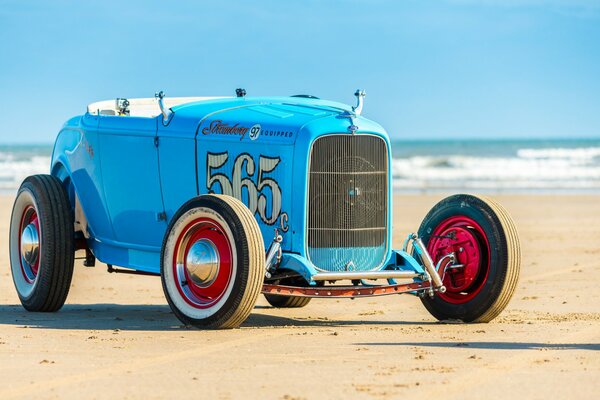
x=488, y=166
x=497, y=166
x=19, y=161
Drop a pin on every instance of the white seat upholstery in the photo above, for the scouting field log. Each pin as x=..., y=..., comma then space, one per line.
x=146, y=107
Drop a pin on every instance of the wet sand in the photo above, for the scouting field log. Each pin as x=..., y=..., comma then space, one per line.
x=116, y=337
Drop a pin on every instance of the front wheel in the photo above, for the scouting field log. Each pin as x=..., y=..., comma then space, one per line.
x=213, y=262
x=484, y=240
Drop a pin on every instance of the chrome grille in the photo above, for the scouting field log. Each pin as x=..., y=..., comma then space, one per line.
x=347, y=203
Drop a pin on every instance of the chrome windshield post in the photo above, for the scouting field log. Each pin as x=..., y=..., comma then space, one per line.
x=166, y=113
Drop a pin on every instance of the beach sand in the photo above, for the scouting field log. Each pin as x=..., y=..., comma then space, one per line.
x=116, y=337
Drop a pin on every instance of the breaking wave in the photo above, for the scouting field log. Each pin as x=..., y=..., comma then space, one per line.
x=549, y=169
x=16, y=165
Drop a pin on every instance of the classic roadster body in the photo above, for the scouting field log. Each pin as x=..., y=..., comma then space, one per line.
x=132, y=173
x=228, y=197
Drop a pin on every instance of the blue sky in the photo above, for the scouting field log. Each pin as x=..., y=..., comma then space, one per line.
x=431, y=69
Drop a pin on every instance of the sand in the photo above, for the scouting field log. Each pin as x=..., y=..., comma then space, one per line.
x=116, y=337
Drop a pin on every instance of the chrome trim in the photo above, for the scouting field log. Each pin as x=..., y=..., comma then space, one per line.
x=274, y=252
x=337, y=276
x=360, y=101
x=202, y=262
x=447, y=262
x=349, y=292
x=387, y=198
x=428, y=263
x=30, y=244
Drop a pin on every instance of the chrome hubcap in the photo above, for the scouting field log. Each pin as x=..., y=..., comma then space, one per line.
x=202, y=263
x=30, y=244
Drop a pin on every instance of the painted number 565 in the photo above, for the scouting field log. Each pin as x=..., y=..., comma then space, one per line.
x=241, y=178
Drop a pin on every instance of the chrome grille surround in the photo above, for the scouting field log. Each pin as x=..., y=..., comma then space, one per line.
x=347, y=203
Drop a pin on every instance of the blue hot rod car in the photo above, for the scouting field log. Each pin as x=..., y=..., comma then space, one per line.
x=226, y=198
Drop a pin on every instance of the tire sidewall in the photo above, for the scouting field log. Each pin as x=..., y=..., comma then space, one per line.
x=479, y=211
x=25, y=197
x=222, y=213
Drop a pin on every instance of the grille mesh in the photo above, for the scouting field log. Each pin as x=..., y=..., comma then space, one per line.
x=347, y=203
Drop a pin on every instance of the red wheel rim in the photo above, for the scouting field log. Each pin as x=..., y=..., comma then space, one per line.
x=30, y=262
x=464, y=237
x=208, y=233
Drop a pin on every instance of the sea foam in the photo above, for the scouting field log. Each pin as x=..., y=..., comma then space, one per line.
x=529, y=169
x=16, y=166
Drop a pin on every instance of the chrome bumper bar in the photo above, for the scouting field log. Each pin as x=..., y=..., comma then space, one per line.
x=338, y=276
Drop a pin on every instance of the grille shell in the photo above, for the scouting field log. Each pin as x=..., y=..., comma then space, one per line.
x=348, y=203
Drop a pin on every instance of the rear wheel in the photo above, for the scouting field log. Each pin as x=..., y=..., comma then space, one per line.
x=213, y=262
x=42, y=243
x=484, y=240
